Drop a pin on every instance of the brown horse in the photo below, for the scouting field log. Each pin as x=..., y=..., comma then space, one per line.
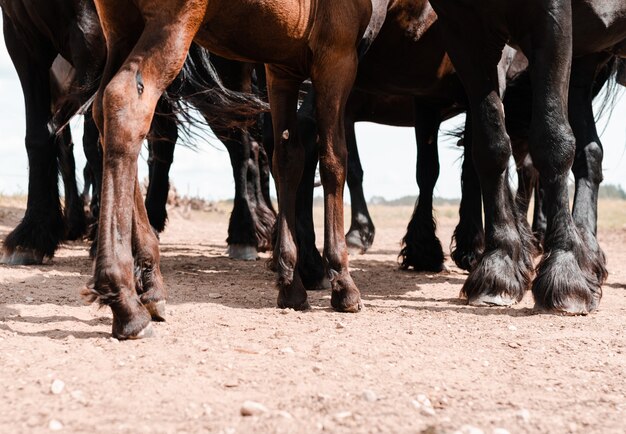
x=147, y=42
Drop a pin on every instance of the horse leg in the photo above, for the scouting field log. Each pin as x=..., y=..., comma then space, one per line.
x=504, y=271
x=360, y=236
x=148, y=280
x=527, y=183
x=421, y=249
x=587, y=166
x=310, y=263
x=123, y=111
x=38, y=235
x=288, y=164
x=74, y=211
x=468, y=240
x=259, y=175
x=570, y=274
x=242, y=238
x=161, y=142
x=332, y=76
x=93, y=154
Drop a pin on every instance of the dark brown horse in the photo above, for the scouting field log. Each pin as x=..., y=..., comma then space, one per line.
x=147, y=45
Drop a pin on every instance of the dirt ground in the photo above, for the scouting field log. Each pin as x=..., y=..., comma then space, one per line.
x=416, y=360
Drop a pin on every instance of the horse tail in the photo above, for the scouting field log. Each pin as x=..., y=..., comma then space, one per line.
x=198, y=86
x=606, y=89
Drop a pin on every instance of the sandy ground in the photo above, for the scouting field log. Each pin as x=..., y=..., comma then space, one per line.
x=376, y=371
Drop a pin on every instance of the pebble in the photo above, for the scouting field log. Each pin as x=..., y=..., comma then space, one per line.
x=29, y=299
x=423, y=404
x=78, y=396
x=252, y=408
x=287, y=350
x=340, y=325
x=55, y=425
x=512, y=328
x=500, y=431
x=284, y=414
x=57, y=387
x=524, y=415
x=343, y=415
x=370, y=395
x=469, y=429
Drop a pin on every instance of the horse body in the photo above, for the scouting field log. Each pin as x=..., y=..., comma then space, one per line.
x=147, y=45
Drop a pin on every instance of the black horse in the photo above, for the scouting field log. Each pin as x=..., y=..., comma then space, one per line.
x=571, y=272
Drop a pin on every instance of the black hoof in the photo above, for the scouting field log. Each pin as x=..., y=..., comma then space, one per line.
x=566, y=285
x=498, y=280
x=33, y=240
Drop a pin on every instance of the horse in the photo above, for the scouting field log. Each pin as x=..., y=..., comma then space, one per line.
x=420, y=89
x=569, y=277
x=147, y=45
x=60, y=47
x=33, y=53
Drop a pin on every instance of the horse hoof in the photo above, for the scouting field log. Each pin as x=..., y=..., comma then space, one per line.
x=21, y=256
x=145, y=332
x=301, y=305
x=156, y=310
x=571, y=309
x=349, y=303
x=242, y=252
x=492, y=300
x=357, y=243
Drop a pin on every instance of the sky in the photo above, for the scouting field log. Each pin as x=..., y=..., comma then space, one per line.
x=387, y=153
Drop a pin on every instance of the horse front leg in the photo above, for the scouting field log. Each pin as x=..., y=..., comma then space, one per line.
x=38, y=235
x=140, y=65
x=421, y=249
x=571, y=273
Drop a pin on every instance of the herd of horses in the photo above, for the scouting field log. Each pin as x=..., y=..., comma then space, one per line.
x=524, y=71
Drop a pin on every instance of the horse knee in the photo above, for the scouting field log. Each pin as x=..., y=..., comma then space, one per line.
x=552, y=148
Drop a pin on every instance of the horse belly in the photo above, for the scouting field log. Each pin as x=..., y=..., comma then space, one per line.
x=268, y=31
x=599, y=25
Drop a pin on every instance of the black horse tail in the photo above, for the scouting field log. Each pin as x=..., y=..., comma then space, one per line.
x=198, y=86
x=606, y=88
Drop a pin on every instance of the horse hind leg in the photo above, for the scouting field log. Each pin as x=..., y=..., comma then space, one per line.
x=421, y=249
x=360, y=236
x=74, y=211
x=288, y=165
x=161, y=142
